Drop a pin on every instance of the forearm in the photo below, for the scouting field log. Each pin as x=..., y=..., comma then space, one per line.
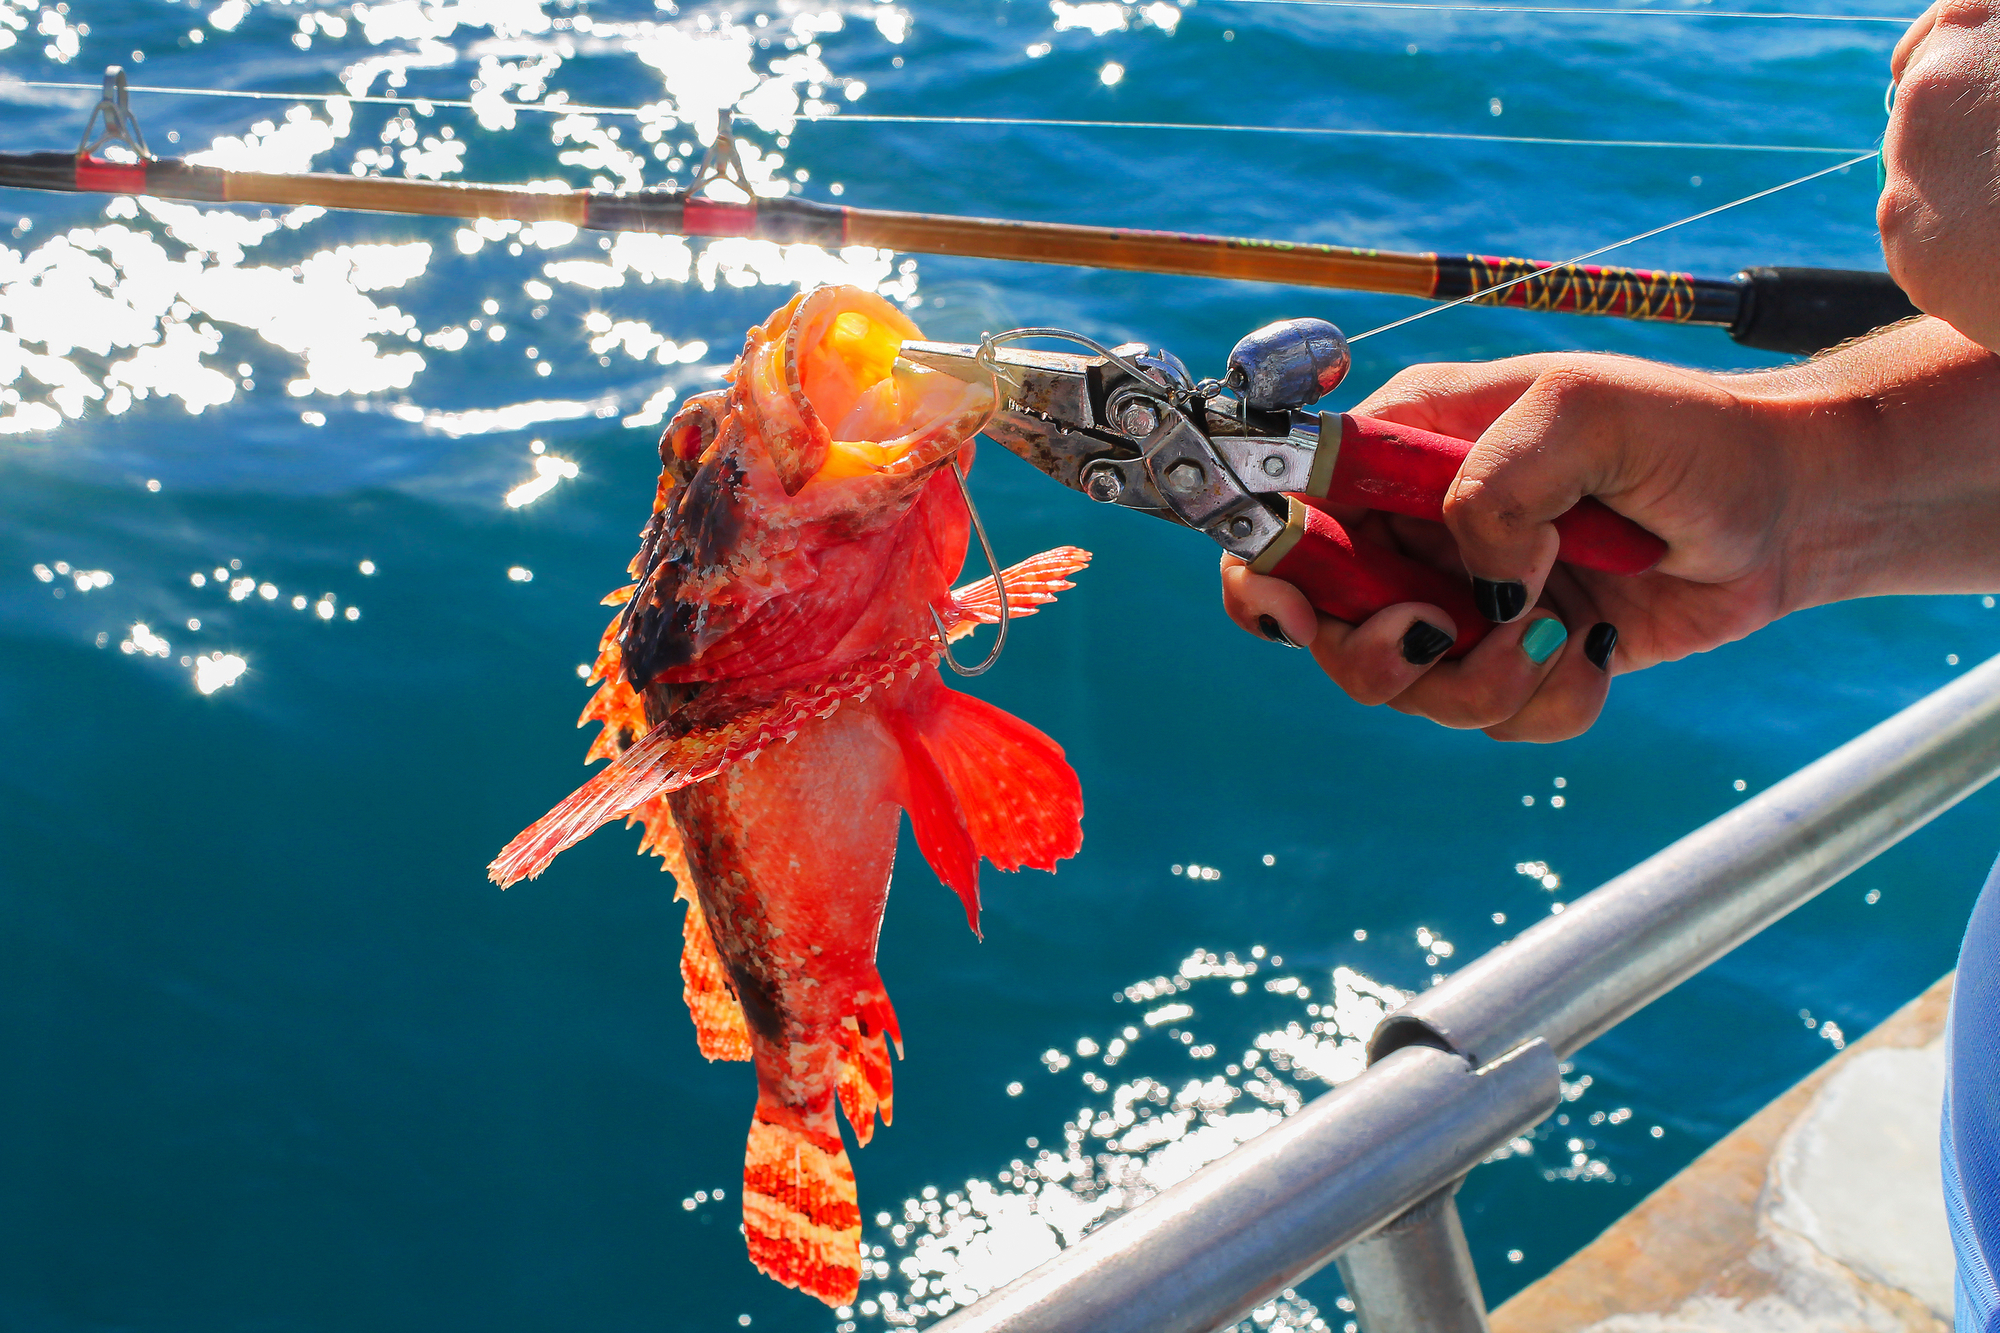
x=1895, y=449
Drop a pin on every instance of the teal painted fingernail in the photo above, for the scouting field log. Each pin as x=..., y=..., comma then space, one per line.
x=1543, y=638
x=1881, y=174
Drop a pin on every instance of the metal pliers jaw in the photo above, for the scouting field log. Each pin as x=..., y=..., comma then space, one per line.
x=1245, y=463
x=1129, y=426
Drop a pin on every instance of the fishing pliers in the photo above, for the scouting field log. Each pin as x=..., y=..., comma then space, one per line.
x=1243, y=460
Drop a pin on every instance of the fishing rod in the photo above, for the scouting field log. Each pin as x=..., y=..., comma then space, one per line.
x=1795, y=310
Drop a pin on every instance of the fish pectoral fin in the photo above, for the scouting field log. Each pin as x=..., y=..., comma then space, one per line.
x=642, y=772
x=1022, y=803
x=935, y=817
x=801, y=1213
x=1031, y=584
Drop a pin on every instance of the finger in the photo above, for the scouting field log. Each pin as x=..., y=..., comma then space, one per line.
x=1460, y=400
x=1572, y=693
x=1567, y=436
x=1382, y=656
x=1267, y=607
x=1495, y=680
x=1912, y=38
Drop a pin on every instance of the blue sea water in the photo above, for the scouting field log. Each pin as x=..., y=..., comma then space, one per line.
x=277, y=1056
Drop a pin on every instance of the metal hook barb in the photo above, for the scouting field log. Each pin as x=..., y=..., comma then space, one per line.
x=722, y=162
x=120, y=125
x=999, y=586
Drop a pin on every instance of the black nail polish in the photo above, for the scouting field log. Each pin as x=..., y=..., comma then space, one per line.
x=1424, y=643
x=1597, y=645
x=1269, y=627
x=1500, y=600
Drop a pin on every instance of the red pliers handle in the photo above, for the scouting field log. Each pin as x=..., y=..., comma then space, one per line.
x=1403, y=470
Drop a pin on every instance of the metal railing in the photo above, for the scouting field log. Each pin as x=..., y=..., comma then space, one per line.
x=1365, y=1174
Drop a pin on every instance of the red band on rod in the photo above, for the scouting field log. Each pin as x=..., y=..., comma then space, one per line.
x=709, y=217
x=94, y=173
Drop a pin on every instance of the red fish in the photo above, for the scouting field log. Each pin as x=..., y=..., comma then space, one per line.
x=772, y=705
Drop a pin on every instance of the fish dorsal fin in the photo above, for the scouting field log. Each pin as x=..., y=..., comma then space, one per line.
x=719, y=1027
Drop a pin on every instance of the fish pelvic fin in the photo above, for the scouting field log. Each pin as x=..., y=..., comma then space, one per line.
x=936, y=820
x=1022, y=802
x=663, y=761
x=1031, y=584
x=801, y=1214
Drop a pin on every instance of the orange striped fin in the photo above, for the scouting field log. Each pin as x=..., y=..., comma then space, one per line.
x=614, y=704
x=719, y=1027
x=867, y=1086
x=1031, y=584
x=801, y=1215
x=662, y=762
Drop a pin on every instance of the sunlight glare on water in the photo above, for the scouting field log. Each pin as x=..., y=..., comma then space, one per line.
x=1175, y=1104
x=362, y=480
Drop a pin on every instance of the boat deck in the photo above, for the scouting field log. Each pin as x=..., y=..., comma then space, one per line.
x=1821, y=1214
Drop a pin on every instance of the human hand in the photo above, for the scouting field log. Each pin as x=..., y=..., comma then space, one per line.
x=1689, y=456
x=1940, y=209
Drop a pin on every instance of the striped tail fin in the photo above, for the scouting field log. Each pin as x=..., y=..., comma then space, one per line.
x=801, y=1215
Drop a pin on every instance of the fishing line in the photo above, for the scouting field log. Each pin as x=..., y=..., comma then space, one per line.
x=1571, y=9
x=1603, y=249
x=869, y=118
x=866, y=118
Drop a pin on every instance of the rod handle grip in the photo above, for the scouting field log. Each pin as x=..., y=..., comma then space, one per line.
x=1351, y=580
x=1807, y=310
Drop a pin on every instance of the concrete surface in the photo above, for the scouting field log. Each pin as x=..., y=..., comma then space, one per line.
x=1820, y=1214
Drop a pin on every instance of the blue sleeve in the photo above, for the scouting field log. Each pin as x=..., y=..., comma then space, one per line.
x=1971, y=1129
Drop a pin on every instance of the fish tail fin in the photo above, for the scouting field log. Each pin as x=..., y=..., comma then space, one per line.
x=801, y=1214
x=1022, y=803
x=1031, y=584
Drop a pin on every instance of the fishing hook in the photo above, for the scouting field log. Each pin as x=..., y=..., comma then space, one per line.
x=987, y=345
x=999, y=587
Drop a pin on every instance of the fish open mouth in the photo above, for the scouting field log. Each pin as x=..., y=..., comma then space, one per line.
x=881, y=414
